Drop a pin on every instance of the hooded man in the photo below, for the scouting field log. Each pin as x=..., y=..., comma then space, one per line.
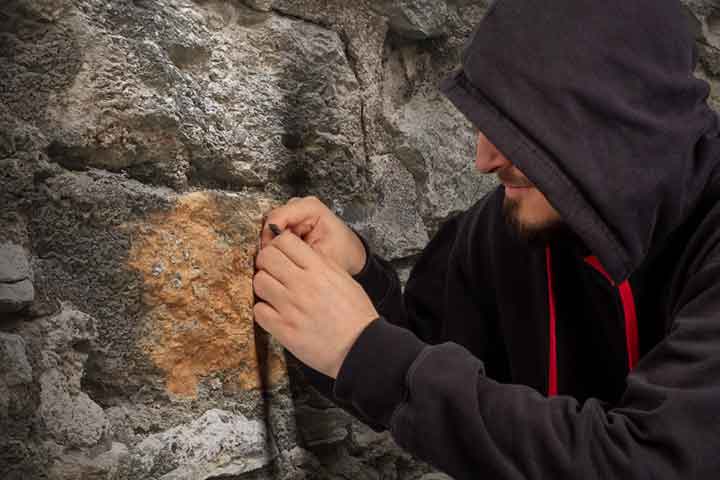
x=567, y=325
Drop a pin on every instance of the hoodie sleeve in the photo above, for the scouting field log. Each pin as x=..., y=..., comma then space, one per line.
x=450, y=414
x=409, y=321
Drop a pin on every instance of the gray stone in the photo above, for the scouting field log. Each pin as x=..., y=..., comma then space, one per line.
x=299, y=457
x=15, y=371
x=394, y=228
x=15, y=368
x=61, y=334
x=49, y=10
x=319, y=427
x=261, y=5
x=69, y=415
x=364, y=436
x=416, y=19
x=219, y=443
x=75, y=464
x=16, y=296
x=436, y=146
x=14, y=265
x=208, y=99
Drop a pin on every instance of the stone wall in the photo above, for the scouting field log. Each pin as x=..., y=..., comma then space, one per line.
x=140, y=143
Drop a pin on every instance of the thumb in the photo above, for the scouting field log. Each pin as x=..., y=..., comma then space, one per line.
x=299, y=216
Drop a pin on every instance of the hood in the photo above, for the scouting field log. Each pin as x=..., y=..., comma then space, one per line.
x=596, y=103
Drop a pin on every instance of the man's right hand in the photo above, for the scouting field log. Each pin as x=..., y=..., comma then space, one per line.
x=320, y=228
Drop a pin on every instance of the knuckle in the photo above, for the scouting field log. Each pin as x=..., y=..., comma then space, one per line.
x=261, y=262
x=269, y=252
x=280, y=240
x=260, y=312
x=259, y=282
x=260, y=259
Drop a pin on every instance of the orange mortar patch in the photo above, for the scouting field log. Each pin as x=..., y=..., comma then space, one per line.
x=197, y=264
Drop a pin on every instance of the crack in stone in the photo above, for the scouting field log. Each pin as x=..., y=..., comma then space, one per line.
x=299, y=18
x=353, y=67
x=14, y=282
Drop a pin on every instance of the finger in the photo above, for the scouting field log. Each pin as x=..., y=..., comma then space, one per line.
x=304, y=210
x=278, y=265
x=299, y=252
x=271, y=290
x=303, y=229
x=267, y=317
x=334, y=265
x=273, y=322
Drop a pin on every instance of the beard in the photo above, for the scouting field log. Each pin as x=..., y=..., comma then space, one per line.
x=533, y=235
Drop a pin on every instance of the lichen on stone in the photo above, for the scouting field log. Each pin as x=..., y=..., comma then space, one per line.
x=197, y=264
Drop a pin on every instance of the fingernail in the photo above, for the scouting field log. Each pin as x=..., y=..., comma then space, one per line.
x=275, y=229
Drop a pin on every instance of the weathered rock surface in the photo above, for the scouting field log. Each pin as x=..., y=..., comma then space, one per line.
x=395, y=214
x=16, y=296
x=15, y=371
x=59, y=345
x=704, y=19
x=217, y=444
x=16, y=288
x=76, y=465
x=14, y=264
x=322, y=426
x=140, y=144
x=416, y=19
x=196, y=262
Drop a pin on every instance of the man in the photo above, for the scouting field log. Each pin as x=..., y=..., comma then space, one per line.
x=568, y=324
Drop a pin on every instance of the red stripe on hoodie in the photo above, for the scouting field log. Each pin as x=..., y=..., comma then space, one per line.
x=552, y=373
x=628, y=303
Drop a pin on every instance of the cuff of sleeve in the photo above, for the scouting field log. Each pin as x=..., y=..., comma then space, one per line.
x=372, y=376
x=372, y=277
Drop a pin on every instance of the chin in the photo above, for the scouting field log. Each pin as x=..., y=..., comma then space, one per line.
x=536, y=231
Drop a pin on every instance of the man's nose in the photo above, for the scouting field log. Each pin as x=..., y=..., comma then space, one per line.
x=488, y=159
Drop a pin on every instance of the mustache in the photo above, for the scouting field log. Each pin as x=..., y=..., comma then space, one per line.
x=506, y=177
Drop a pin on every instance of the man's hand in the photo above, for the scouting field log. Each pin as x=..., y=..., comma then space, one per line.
x=320, y=228
x=311, y=305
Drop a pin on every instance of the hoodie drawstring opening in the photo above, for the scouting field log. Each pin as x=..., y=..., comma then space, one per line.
x=629, y=313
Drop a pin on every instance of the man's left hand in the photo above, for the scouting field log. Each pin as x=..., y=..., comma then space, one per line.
x=311, y=305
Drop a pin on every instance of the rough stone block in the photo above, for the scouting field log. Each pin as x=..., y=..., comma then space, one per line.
x=14, y=265
x=70, y=416
x=197, y=264
x=261, y=5
x=16, y=296
x=75, y=465
x=14, y=366
x=395, y=229
x=219, y=443
x=416, y=19
x=322, y=426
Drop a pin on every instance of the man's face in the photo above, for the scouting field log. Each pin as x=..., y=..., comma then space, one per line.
x=525, y=207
